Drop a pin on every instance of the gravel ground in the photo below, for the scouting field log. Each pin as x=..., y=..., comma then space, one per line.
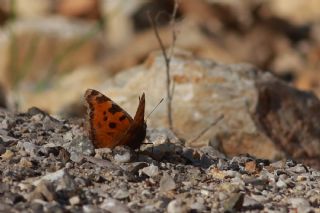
x=48, y=165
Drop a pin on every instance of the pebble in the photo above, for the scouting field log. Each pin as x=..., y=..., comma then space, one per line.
x=281, y=183
x=250, y=203
x=204, y=192
x=54, y=176
x=43, y=191
x=167, y=183
x=75, y=200
x=48, y=172
x=25, y=163
x=222, y=196
x=301, y=204
x=234, y=202
x=151, y=170
x=278, y=164
x=135, y=167
x=121, y=194
x=123, y=158
x=298, y=169
x=114, y=206
x=7, y=155
x=177, y=206
x=76, y=157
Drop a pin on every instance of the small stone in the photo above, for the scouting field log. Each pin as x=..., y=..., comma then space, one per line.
x=7, y=139
x=51, y=177
x=25, y=163
x=278, y=164
x=61, y=179
x=302, y=178
x=300, y=187
x=251, y=166
x=232, y=174
x=91, y=209
x=198, y=207
x=217, y=173
x=121, y=194
x=167, y=183
x=75, y=200
x=222, y=164
x=229, y=187
x=212, y=152
x=234, y=203
x=114, y=206
x=43, y=191
x=256, y=182
x=301, y=204
x=177, y=206
x=151, y=170
x=7, y=155
x=281, y=184
x=123, y=158
x=76, y=157
x=69, y=165
x=122, y=154
x=251, y=204
x=222, y=196
x=30, y=148
x=204, y=192
x=25, y=186
x=68, y=136
x=79, y=144
x=299, y=169
x=315, y=199
x=101, y=162
x=135, y=167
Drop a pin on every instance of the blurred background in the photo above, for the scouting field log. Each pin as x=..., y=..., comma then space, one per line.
x=52, y=50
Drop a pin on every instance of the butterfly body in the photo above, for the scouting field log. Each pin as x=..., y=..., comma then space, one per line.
x=112, y=126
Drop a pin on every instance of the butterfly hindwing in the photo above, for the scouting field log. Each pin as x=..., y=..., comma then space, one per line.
x=137, y=131
x=108, y=121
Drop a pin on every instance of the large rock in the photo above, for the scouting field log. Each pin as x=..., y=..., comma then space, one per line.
x=263, y=116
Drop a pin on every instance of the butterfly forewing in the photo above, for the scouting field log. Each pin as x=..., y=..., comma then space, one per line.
x=108, y=121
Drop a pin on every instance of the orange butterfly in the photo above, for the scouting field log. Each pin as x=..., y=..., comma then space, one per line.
x=112, y=126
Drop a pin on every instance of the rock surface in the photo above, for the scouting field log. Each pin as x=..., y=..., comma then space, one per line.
x=42, y=171
x=263, y=116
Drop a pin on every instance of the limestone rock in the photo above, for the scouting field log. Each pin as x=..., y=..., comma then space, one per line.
x=263, y=116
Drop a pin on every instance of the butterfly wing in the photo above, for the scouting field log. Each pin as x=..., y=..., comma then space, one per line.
x=108, y=121
x=137, y=130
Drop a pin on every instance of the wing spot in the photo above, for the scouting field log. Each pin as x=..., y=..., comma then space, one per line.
x=112, y=125
x=114, y=109
x=105, y=118
x=101, y=99
x=122, y=117
x=99, y=124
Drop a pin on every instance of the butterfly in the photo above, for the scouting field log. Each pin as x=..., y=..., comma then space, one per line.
x=110, y=125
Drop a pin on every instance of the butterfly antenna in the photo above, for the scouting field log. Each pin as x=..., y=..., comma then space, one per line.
x=154, y=108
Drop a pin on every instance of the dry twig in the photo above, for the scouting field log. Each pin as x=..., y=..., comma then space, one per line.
x=167, y=57
x=206, y=129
